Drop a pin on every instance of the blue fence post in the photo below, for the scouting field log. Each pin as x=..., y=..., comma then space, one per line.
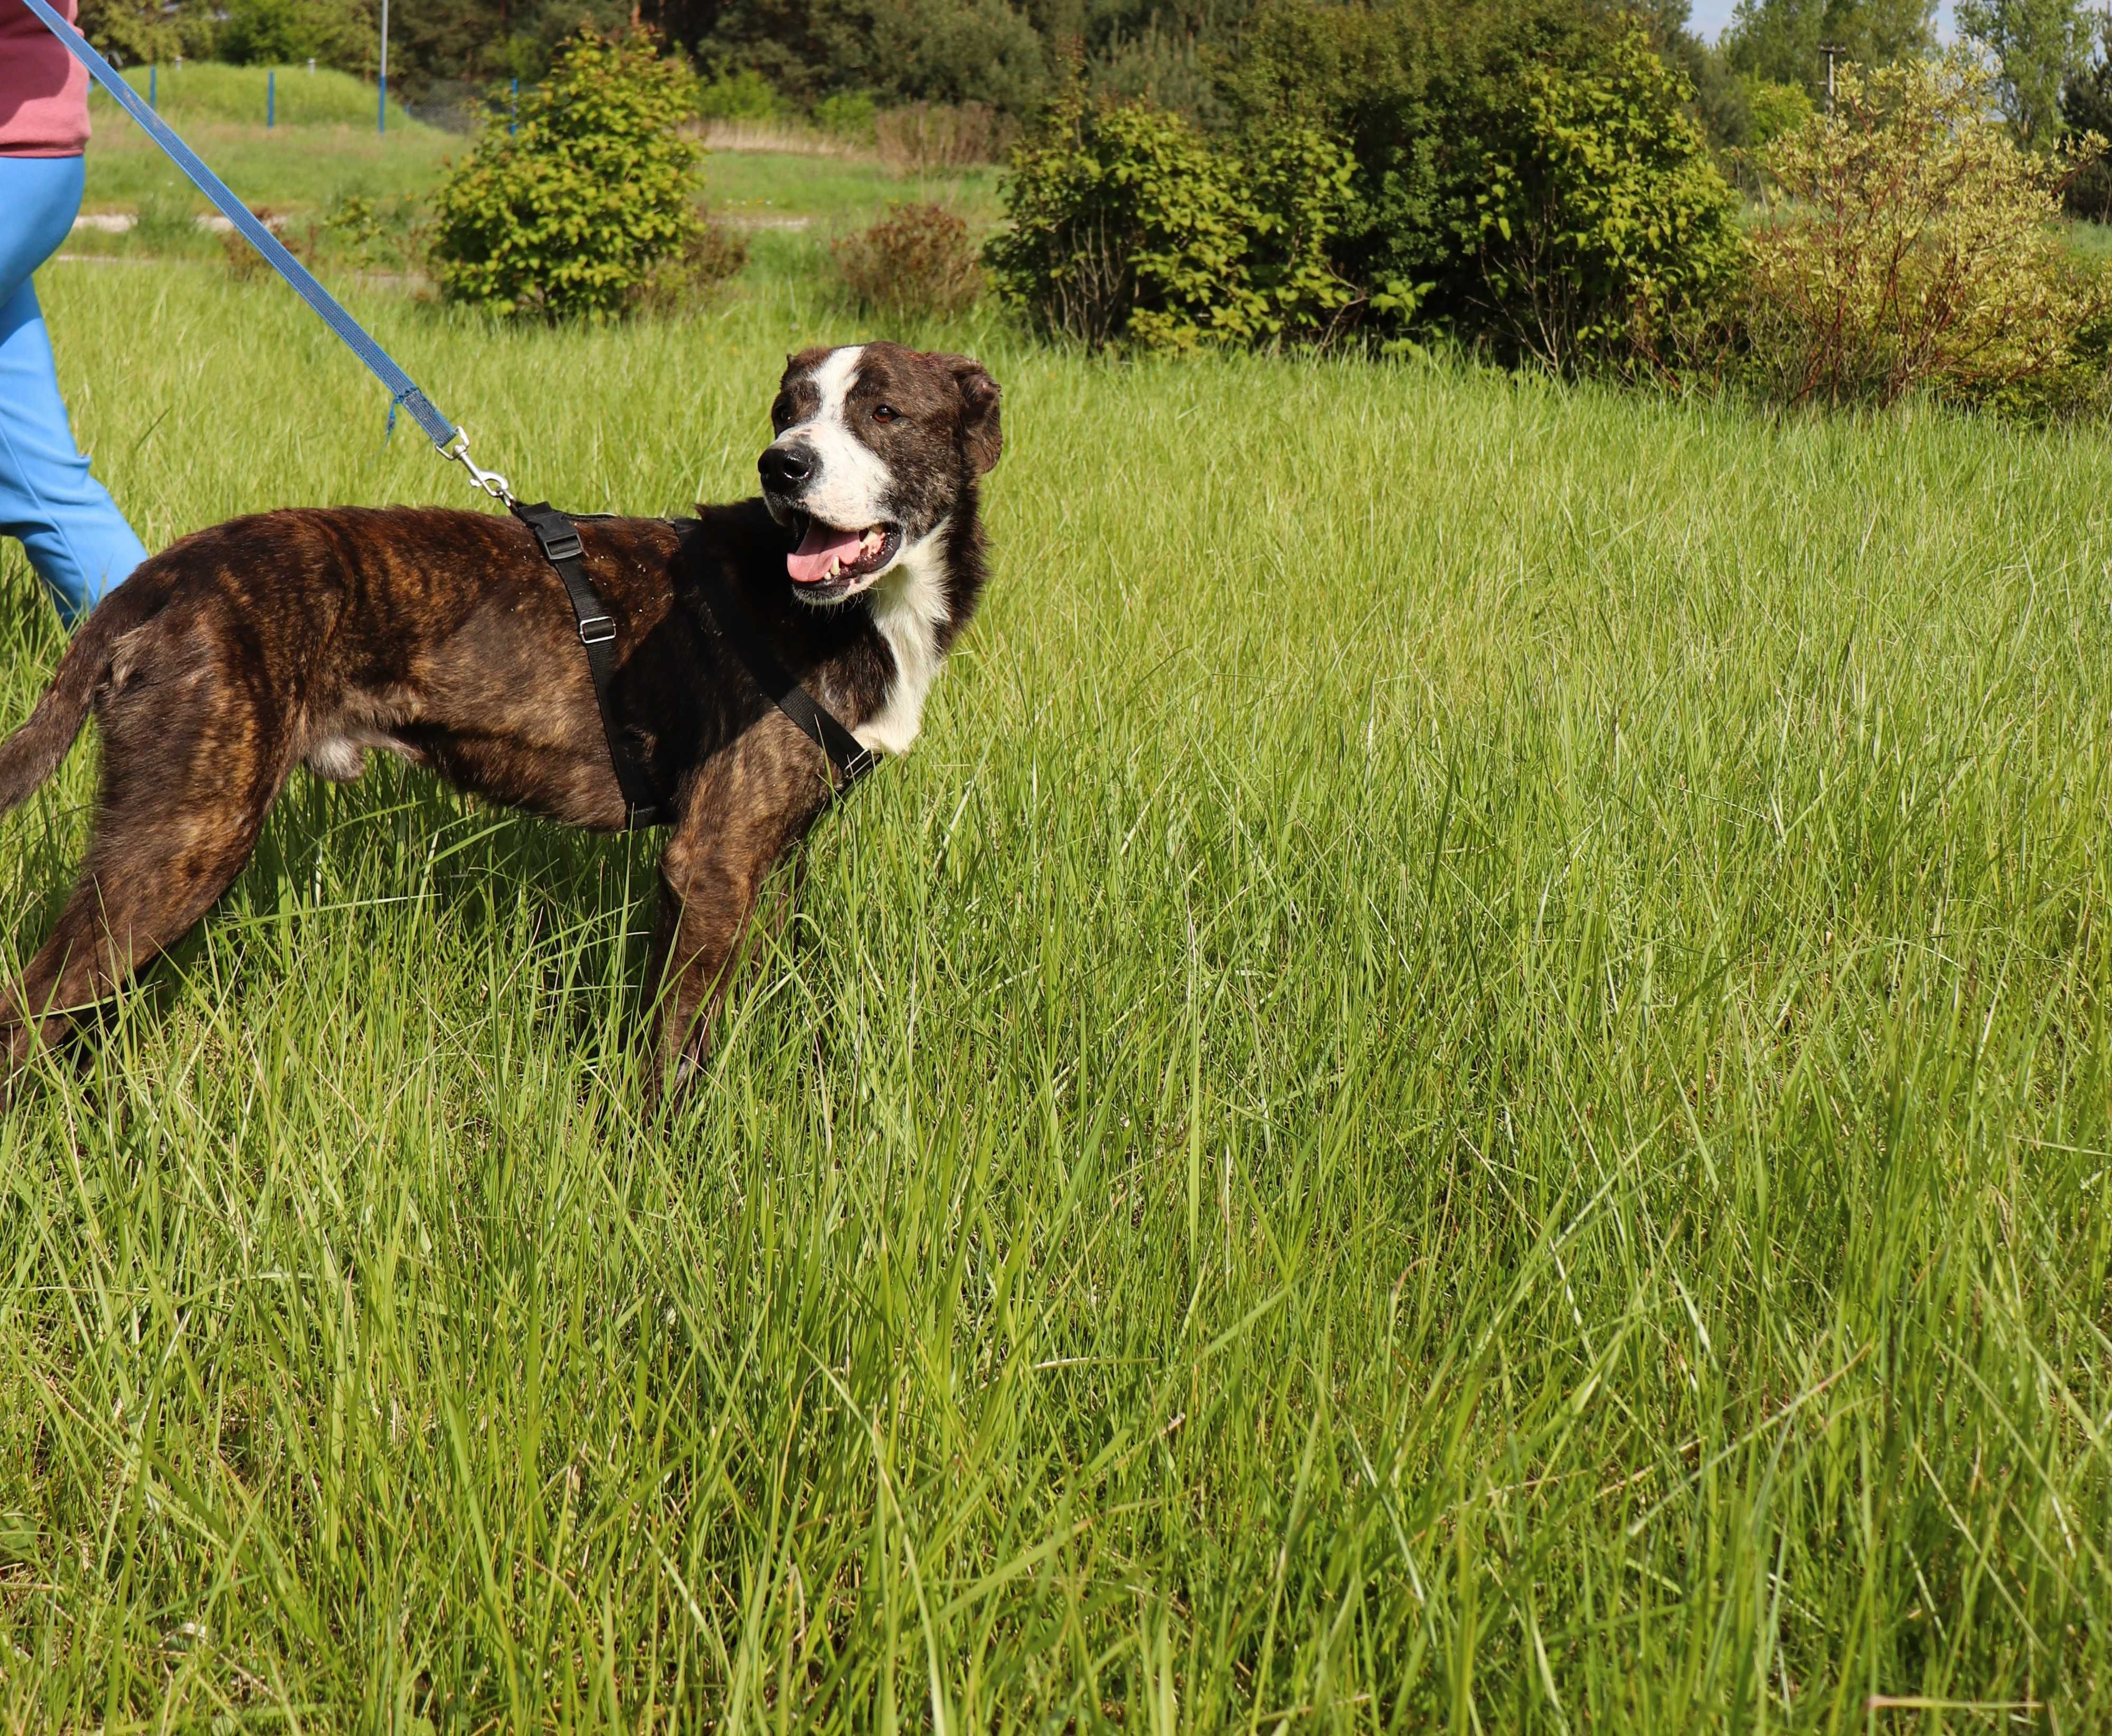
x=154, y=74
x=271, y=97
x=514, y=106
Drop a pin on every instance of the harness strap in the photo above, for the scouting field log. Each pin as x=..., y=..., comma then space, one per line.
x=559, y=541
x=850, y=758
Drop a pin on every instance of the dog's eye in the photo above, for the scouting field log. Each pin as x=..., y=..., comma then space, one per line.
x=884, y=413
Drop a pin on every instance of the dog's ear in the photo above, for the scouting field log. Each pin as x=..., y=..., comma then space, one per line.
x=981, y=437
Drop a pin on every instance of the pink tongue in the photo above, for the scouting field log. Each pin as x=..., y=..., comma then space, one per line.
x=809, y=563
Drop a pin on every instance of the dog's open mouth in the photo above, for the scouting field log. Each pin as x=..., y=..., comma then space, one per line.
x=830, y=559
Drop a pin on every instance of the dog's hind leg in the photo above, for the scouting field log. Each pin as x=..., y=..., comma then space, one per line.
x=188, y=771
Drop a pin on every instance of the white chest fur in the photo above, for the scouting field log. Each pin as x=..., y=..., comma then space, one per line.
x=909, y=607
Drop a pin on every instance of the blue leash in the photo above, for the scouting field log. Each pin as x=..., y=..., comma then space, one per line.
x=404, y=391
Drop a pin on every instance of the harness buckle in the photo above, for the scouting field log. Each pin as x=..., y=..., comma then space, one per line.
x=597, y=629
x=565, y=546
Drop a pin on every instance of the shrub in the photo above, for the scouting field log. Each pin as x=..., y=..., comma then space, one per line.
x=847, y=115
x=245, y=264
x=1604, y=227
x=1126, y=223
x=281, y=33
x=568, y=216
x=921, y=137
x=1911, y=247
x=1525, y=173
x=138, y=31
x=692, y=277
x=745, y=95
x=915, y=263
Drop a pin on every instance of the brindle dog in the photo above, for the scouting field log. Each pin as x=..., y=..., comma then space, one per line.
x=446, y=637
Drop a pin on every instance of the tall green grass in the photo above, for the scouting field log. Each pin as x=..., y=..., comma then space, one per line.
x=1465, y=1086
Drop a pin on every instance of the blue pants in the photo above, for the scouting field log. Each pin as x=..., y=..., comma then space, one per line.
x=74, y=536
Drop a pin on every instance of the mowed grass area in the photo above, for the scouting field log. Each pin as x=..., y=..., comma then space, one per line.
x=326, y=148
x=1464, y=1085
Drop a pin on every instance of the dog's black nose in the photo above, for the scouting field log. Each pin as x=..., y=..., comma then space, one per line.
x=785, y=467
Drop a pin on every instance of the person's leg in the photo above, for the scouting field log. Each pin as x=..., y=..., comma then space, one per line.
x=76, y=537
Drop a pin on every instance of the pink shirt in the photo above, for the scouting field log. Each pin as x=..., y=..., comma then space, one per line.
x=44, y=89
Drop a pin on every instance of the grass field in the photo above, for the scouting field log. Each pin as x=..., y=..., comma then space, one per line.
x=1465, y=1086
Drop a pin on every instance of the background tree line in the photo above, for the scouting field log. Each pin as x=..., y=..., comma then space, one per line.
x=1191, y=56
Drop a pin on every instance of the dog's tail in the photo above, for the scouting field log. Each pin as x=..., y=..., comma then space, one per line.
x=34, y=752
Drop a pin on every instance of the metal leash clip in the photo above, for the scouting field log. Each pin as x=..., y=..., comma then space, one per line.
x=489, y=480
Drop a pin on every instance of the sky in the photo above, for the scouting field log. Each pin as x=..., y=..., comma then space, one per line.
x=1711, y=16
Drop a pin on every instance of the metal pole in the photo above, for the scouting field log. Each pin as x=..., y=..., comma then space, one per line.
x=513, y=108
x=381, y=121
x=271, y=96
x=1829, y=50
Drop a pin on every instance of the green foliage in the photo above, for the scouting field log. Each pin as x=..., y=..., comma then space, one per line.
x=1773, y=109
x=282, y=33
x=741, y=95
x=567, y=216
x=2086, y=110
x=1603, y=225
x=134, y=32
x=847, y=114
x=1779, y=40
x=1128, y=224
x=2035, y=44
x=1529, y=176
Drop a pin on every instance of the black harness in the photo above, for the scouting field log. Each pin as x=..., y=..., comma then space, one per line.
x=644, y=805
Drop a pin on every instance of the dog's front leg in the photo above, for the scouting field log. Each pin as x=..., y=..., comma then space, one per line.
x=751, y=802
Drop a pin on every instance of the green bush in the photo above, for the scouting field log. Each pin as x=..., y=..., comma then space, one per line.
x=848, y=115
x=1604, y=228
x=1528, y=175
x=283, y=33
x=1128, y=225
x=744, y=95
x=568, y=216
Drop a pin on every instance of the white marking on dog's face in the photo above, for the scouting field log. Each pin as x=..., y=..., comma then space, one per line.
x=850, y=489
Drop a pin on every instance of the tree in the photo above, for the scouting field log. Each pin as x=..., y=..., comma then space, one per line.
x=280, y=32
x=2085, y=108
x=1779, y=39
x=140, y=31
x=2036, y=44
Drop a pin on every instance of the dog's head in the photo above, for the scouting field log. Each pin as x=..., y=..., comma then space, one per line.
x=877, y=447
